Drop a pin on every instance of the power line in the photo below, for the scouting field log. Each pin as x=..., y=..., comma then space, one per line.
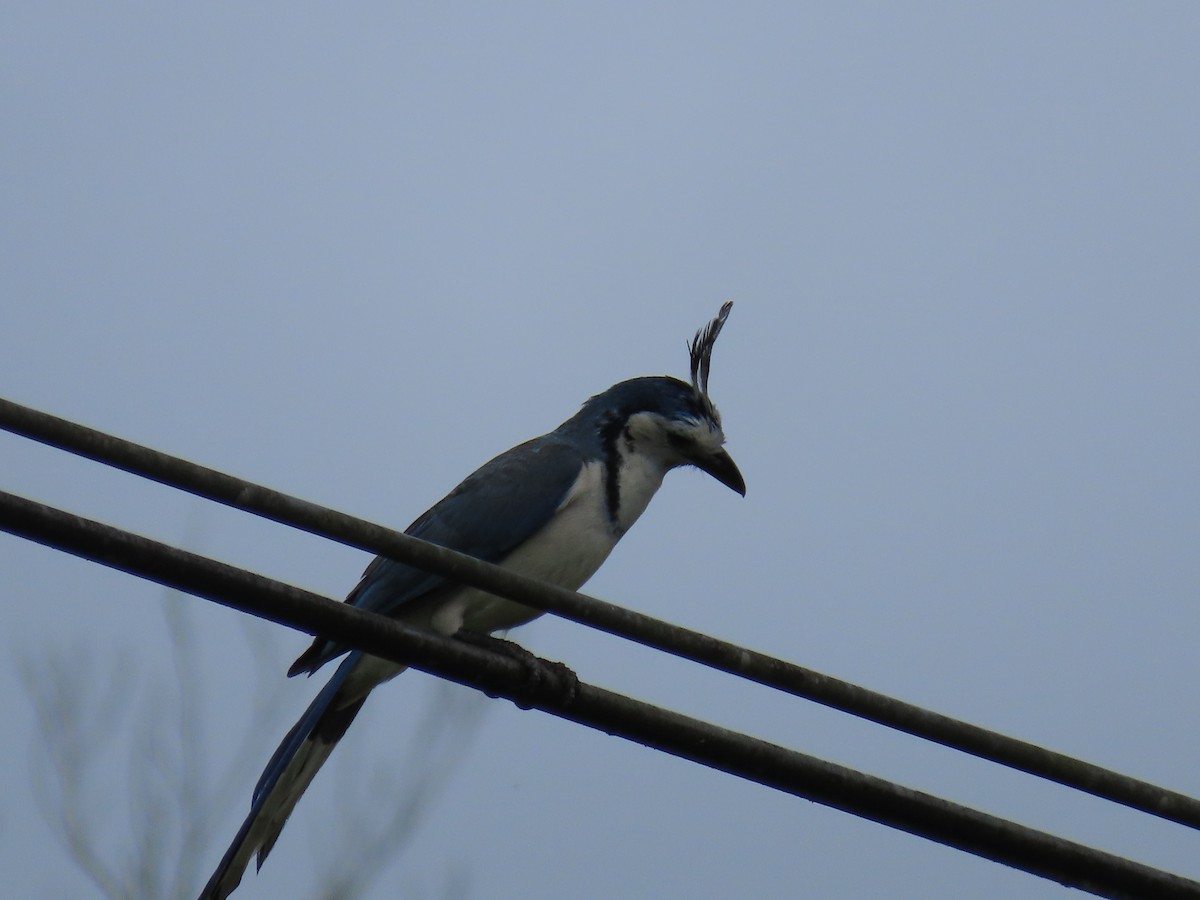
x=917, y=813
x=691, y=645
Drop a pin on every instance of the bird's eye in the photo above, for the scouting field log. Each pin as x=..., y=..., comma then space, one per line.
x=675, y=439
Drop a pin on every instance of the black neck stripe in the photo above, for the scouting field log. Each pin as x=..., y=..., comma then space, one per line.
x=610, y=433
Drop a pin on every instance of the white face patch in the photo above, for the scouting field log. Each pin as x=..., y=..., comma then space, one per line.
x=674, y=441
x=709, y=438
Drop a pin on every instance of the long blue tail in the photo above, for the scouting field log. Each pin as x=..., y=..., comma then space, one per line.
x=292, y=767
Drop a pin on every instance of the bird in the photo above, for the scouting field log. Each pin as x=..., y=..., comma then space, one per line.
x=551, y=508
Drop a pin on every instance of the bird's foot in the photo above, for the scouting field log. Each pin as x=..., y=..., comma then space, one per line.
x=545, y=681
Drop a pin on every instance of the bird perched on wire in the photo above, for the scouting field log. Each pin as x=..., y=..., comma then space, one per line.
x=551, y=508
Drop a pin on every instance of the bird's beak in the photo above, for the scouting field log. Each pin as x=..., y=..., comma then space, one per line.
x=720, y=465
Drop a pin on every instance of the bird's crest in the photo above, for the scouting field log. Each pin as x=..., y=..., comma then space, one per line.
x=700, y=348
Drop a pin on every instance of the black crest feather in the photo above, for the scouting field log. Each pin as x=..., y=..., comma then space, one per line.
x=700, y=348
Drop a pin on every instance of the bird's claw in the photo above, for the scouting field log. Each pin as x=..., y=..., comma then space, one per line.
x=545, y=681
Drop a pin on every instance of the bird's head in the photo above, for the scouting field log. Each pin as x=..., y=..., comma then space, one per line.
x=666, y=419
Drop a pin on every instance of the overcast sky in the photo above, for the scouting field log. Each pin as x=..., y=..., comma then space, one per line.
x=352, y=252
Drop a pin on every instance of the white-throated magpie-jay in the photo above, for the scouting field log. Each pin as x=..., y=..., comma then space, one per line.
x=551, y=508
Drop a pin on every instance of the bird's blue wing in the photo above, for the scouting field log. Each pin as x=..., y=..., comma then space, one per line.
x=496, y=509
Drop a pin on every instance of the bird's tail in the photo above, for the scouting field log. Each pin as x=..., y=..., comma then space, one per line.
x=294, y=764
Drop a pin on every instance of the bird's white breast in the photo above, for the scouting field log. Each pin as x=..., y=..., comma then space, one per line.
x=566, y=552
